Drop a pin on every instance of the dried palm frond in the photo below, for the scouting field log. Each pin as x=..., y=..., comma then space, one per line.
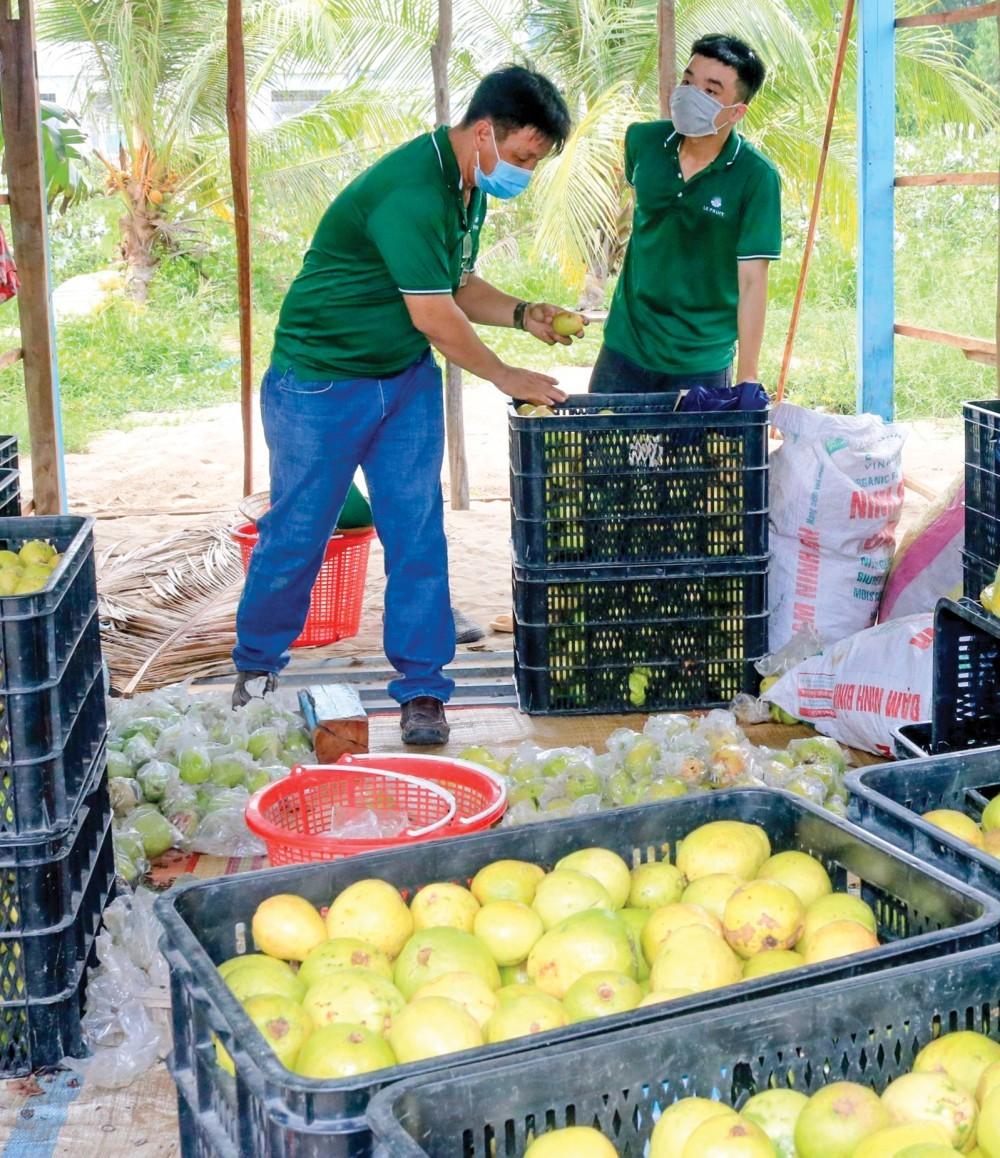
x=168, y=610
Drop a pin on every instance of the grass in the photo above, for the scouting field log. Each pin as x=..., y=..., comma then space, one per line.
x=180, y=350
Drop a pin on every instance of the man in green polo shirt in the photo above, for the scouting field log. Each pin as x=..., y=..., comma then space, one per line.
x=352, y=382
x=693, y=287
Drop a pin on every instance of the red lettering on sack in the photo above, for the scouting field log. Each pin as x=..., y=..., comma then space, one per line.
x=876, y=504
x=870, y=698
x=923, y=639
x=843, y=696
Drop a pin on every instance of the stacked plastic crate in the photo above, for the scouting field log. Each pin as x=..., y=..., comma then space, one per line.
x=10, y=477
x=982, y=495
x=640, y=538
x=56, y=853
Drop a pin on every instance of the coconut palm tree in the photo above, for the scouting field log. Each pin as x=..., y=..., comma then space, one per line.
x=604, y=53
x=155, y=70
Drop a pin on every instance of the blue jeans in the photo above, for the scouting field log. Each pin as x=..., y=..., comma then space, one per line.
x=614, y=373
x=318, y=433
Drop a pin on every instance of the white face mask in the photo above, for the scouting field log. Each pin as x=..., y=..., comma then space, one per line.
x=694, y=111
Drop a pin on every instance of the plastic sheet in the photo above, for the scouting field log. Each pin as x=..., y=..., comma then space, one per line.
x=126, y=1019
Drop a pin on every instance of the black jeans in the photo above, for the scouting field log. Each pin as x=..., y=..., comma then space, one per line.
x=615, y=374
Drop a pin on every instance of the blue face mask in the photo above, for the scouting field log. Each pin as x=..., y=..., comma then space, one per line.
x=506, y=180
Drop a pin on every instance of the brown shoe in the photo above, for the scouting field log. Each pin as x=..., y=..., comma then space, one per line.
x=422, y=722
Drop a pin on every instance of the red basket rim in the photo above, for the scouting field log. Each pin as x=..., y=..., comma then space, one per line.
x=492, y=786
x=313, y=775
x=246, y=532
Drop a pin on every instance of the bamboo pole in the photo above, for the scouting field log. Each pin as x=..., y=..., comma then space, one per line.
x=236, y=117
x=666, y=24
x=831, y=108
x=458, y=472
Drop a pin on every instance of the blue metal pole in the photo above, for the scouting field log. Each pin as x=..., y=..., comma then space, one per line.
x=876, y=171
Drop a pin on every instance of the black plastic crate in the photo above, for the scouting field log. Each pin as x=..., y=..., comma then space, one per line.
x=889, y=800
x=39, y=1034
x=39, y=632
x=977, y=573
x=40, y=1015
x=37, y=723
x=41, y=796
x=8, y=452
x=695, y=629
x=266, y=1110
x=639, y=483
x=620, y=1082
x=966, y=700
x=10, y=493
x=51, y=901
x=912, y=741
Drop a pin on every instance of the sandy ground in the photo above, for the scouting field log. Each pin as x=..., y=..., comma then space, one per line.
x=169, y=472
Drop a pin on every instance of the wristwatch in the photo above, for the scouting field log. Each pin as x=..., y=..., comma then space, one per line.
x=519, y=314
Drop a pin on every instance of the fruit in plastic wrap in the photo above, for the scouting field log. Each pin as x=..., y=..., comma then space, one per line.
x=194, y=765
x=153, y=779
x=125, y=794
x=153, y=829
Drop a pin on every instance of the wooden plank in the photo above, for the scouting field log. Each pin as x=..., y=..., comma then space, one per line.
x=458, y=468
x=978, y=356
x=10, y=357
x=239, y=168
x=876, y=169
x=26, y=192
x=831, y=108
x=947, y=179
x=4, y=198
x=666, y=26
x=954, y=16
x=946, y=338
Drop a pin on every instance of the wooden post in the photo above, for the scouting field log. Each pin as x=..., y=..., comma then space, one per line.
x=458, y=472
x=666, y=25
x=831, y=109
x=236, y=116
x=876, y=171
x=28, y=215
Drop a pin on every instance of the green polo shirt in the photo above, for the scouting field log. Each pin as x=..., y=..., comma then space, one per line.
x=401, y=227
x=674, y=308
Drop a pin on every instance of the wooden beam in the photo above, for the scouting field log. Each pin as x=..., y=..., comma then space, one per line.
x=946, y=338
x=239, y=168
x=824, y=152
x=458, y=469
x=10, y=357
x=978, y=356
x=876, y=168
x=948, y=179
x=955, y=16
x=666, y=26
x=26, y=192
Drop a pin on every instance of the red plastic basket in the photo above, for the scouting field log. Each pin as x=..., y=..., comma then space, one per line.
x=292, y=816
x=339, y=590
x=480, y=795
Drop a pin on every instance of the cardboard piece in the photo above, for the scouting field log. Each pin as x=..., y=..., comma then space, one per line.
x=336, y=720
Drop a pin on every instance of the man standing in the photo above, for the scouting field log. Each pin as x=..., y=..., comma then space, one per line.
x=353, y=382
x=707, y=223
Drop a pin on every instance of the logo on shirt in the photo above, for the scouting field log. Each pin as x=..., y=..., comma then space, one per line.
x=715, y=207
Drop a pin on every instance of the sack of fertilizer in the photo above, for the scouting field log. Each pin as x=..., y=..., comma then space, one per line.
x=860, y=690
x=836, y=497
